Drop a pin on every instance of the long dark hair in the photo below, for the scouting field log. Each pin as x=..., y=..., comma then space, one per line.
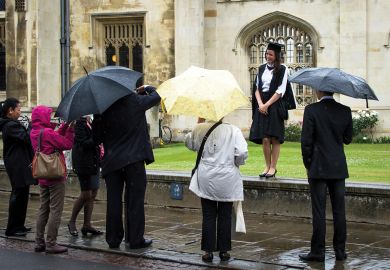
x=9, y=103
x=278, y=60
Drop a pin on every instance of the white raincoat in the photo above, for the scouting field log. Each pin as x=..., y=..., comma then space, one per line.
x=218, y=176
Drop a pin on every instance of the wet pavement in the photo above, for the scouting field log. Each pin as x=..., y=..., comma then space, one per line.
x=270, y=243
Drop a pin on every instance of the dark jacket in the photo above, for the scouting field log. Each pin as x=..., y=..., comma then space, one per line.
x=123, y=130
x=85, y=152
x=17, y=153
x=326, y=126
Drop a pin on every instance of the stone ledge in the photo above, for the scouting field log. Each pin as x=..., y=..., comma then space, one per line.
x=365, y=202
x=290, y=184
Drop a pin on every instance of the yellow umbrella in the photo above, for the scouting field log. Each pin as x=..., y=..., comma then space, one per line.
x=205, y=93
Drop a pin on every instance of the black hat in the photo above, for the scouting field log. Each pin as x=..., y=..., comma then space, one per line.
x=276, y=47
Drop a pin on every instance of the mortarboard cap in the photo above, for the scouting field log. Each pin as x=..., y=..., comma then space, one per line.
x=276, y=47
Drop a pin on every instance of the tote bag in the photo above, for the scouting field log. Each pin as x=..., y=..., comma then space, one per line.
x=47, y=166
x=240, y=222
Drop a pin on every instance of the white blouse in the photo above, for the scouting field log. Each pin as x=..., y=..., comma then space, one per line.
x=267, y=77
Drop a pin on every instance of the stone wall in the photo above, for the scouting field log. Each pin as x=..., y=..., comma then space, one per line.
x=285, y=197
x=352, y=35
x=87, y=48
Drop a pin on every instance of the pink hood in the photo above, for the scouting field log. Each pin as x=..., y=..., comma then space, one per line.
x=52, y=140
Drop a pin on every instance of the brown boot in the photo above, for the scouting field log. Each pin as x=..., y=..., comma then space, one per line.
x=55, y=249
x=40, y=245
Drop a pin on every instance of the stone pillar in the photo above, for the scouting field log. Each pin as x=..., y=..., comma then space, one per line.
x=48, y=52
x=189, y=34
x=210, y=34
x=16, y=56
x=353, y=40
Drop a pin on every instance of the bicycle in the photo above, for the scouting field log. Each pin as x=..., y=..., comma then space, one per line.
x=164, y=132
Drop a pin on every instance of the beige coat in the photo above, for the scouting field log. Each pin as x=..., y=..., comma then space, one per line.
x=218, y=176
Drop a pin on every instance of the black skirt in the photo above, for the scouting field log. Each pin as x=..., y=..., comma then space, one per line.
x=267, y=126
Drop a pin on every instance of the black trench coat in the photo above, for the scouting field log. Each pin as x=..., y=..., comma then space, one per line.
x=17, y=153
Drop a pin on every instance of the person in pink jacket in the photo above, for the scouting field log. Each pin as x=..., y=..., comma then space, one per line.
x=52, y=192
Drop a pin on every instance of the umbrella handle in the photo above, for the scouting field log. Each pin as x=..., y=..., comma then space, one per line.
x=366, y=101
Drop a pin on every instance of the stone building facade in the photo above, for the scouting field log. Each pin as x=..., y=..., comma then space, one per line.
x=161, y=38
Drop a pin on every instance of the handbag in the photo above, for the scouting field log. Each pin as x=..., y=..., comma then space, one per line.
x=47, y=166
x=240, y=222
x=198, y=157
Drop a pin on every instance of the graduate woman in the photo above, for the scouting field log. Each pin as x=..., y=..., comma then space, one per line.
x=268, y=126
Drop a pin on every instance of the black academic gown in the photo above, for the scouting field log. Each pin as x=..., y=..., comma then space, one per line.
x=271, y=125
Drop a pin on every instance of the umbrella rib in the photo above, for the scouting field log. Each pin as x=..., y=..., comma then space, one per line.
x=72, y=96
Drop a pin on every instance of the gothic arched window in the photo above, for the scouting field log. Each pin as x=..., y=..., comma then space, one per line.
x=123, y=42
x=297, y=53
x=110, y=55
x=137, y=58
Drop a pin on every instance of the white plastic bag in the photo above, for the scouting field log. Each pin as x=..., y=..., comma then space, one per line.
x=240, y=222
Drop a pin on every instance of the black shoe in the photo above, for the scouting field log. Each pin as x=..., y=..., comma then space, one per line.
x=224, y=256
x=340, y=255
x=310, y=257
x=17, y=233
x=73, y=232
x=208, y=257
x=114, y=245
x=26, y=229
x=145, y=244
x=263, y=174
x=92, y=231
x=268, y=175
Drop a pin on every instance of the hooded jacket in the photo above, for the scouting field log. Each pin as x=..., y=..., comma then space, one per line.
x=17, y=153
x=52, y=140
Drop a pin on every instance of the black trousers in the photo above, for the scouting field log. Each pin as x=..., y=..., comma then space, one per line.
x=17, y=210
x=133, y=177
x=318, y=188
x=216, y=226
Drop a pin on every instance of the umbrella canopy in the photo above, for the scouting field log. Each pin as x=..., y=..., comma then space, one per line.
x=209, y=94
x=334, y=80
x=98, y=90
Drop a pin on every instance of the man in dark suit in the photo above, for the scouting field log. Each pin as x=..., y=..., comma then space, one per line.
x=123, y=130
x=326, y=126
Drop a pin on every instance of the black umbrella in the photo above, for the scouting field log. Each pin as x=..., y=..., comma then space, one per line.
x=98, y=90
x=334, y=80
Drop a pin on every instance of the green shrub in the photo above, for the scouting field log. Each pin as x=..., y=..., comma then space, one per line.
x=364, y=123
x=360, y=138
x=293, y=132
x=385, y=139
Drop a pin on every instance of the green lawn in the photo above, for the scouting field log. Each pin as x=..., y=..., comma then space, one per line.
x=366, y=162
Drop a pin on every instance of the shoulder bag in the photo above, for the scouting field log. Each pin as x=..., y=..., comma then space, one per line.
x=202, y=146
x=47, y=166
